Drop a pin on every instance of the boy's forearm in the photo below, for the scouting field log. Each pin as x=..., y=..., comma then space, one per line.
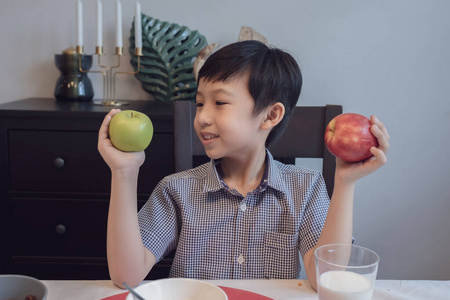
x=339, y=223
x=338, y=226
x=126, y=254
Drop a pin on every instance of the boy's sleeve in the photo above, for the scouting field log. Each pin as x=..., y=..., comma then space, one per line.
x=158, y=221
x=314, y=214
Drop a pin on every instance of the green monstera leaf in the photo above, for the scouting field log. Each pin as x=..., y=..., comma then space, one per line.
x=169, y=51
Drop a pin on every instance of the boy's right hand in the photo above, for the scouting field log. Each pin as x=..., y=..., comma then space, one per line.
x=116, y=159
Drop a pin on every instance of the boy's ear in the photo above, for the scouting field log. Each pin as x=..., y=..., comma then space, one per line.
x=274, y=115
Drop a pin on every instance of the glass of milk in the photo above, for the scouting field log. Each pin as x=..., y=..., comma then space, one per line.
x=345, y=272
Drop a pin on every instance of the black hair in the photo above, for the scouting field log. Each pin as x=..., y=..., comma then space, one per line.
x=273, y=76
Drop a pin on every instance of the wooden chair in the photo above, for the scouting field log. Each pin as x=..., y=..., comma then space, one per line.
x=303, y=138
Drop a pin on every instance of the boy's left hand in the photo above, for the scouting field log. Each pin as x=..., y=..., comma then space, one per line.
x=351, y=172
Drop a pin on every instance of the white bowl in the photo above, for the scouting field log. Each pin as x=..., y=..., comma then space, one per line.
x=19, y=286
x=179, y=289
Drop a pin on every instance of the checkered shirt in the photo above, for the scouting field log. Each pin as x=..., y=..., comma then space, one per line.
x=220, y=234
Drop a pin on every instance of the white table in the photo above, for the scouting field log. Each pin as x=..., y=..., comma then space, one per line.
x=276, y=289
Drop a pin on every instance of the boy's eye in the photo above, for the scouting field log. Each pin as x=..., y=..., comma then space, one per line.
x=199, y=104
x=220, y=103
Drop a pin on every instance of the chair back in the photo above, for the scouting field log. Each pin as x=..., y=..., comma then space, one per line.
x=303, y=138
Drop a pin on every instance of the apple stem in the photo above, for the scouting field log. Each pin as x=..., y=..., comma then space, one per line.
x=131, y=114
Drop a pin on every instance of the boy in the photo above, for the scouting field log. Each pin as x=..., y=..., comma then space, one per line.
x=243, y=215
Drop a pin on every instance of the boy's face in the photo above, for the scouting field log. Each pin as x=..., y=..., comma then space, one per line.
x=224, y=122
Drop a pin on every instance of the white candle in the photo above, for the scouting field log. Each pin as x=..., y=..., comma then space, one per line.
x=79, y=23
x=138, y=26
x=99, y=24
x=118, y=24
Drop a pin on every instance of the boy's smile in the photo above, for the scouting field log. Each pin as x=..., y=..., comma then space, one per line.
x=208, y=136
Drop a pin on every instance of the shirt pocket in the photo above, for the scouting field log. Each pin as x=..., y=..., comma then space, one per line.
x=281, y=256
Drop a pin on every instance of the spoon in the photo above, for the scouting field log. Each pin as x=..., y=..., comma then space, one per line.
x=133, y=292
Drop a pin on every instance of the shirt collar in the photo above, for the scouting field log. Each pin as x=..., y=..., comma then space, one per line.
x=271, y=176
x=213, y=182
x=274, y=177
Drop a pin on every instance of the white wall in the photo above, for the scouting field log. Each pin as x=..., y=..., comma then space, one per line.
x=387, y=57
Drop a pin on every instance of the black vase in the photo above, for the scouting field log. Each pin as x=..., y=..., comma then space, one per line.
x=73, y=85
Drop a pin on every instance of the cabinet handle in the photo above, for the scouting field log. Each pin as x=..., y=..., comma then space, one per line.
x=60, y=229
x=59, y=162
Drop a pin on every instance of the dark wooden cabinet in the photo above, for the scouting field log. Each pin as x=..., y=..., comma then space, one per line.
x=54, y=186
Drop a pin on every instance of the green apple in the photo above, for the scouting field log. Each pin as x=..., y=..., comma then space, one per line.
x=130, y=131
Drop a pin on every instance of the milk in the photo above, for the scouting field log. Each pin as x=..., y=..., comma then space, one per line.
x=344, y=285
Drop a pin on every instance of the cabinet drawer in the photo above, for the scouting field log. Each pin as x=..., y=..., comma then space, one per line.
x=59, y=227
x=73, y=268
x=56, y=161
x=57, y=268
x=65, y=239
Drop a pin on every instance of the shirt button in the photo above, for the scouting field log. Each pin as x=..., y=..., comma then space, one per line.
x=244, y=207
x=240, y=259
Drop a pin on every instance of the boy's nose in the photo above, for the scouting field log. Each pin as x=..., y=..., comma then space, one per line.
x=203, y=117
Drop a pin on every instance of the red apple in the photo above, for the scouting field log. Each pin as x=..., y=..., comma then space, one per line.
x=348, y=137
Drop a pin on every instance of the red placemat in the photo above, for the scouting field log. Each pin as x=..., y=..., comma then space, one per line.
x=232, y=293
x=122, y=296
x=237, y=294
